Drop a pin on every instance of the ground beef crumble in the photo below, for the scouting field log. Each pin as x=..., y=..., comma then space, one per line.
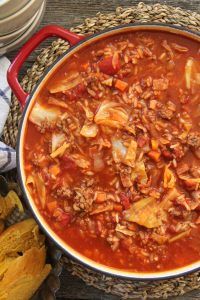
x=83, y=199
x=167, y=110
x=193, y=139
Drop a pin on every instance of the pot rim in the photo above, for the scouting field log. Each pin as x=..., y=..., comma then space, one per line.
x=68, y=250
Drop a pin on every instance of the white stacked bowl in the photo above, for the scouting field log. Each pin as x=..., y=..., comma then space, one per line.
x=18, y=20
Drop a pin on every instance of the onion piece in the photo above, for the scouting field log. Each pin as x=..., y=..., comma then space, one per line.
x=188, y=72
x=118, y=151
x=66, y=84
x=124, y=230
x=108, y=81
x=57, y=140
x=190, y=180
x=102, y=208
x=90, y=130
x=111, y=114
x=30, y=181
x=60, y=151
x=179, y=236
x=41, y=190
x=89, y=114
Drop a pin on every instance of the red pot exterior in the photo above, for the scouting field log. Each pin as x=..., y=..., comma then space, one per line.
x=78, y=42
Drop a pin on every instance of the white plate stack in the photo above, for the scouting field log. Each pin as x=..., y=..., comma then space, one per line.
x=18, y=20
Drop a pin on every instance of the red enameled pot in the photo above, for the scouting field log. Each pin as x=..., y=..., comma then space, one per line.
x=27, y=100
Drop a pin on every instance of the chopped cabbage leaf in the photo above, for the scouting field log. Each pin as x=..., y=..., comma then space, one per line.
x=180, y=236
x=123, y=154
x=40, y=188
x=57, y=140
x=190, y=180
x=60, y=151
x=40, y=114
x=130, y=128
x=131, y=154
x=30, y=180
x=188, y=72
x=192, y=69
x=139, y=172
x=81, y=161
x=169, y=178
x=118, y=151
x=66, y=84
x=169, y=197
x=146, y=212
x=149, y=212
x=89, y=114
x=111, y=114
x=56, y=102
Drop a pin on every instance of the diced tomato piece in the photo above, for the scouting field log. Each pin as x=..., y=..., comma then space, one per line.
x=167, y=154
x=125, y=201
x=68, y=163
x=76, y=92
x=110, y=65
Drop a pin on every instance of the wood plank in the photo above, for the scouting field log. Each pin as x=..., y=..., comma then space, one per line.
x=74, y=288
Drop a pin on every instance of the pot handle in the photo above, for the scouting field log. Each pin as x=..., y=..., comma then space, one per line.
x=33, y=42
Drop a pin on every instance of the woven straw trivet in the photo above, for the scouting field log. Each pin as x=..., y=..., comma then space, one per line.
x=140, y=13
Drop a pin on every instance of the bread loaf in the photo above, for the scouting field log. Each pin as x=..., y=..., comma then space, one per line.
x=24, y=275
x=8, y=203
x=19, y=238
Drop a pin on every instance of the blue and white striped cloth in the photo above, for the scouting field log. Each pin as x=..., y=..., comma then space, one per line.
x=7, y=154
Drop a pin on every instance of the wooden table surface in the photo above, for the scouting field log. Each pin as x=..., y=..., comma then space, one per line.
x=69, y=13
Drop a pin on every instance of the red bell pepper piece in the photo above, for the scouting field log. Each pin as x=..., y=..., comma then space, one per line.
x=110, y=65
